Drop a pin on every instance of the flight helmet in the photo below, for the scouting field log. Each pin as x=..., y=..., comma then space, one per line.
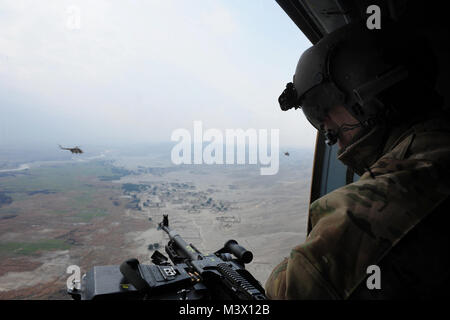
x=354, y=67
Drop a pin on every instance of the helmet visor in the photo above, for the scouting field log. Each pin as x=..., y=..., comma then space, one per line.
x=316, y=104
x=314, y=114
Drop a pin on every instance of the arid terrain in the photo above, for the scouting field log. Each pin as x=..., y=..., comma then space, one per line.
x=104, y=211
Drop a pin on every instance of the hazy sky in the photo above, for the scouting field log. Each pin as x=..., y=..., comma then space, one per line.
x=136, y=70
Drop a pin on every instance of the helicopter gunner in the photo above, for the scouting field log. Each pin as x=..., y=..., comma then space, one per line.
x=372, y=92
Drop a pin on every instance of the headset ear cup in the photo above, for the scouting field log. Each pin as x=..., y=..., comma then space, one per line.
x=356, y=110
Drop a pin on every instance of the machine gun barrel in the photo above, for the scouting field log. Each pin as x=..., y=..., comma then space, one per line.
x=185, y=250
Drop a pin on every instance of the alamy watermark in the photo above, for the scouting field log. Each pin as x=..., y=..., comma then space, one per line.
x=374, y=20
x=227, y=148
x=73, y=18
x=74, y=280
x=374, y=280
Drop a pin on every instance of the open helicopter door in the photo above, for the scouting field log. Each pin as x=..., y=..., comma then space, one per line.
x=316, y=18
x=328, y=172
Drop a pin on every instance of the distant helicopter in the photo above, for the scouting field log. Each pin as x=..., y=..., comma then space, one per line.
x=286, y=154
x=73, y=150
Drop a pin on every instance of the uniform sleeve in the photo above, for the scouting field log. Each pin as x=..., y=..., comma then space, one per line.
x=296, y=278
x=355, y=226
x=276, y=284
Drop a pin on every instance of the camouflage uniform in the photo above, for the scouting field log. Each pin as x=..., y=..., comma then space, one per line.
x=396, y=216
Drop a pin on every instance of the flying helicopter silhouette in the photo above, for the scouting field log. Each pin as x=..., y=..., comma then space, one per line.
x=76, y=149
